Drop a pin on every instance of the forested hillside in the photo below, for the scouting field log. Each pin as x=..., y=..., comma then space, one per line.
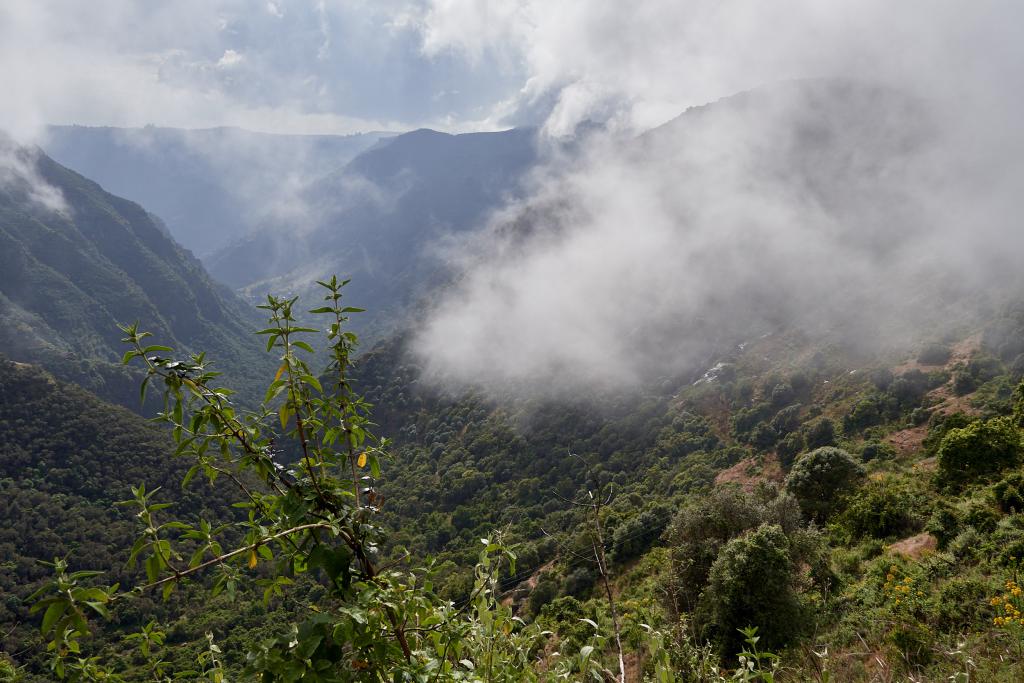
x=71, y=271
x=66, y=459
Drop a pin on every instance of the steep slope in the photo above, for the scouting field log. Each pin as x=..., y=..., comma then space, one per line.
x=383, y=218
x=72, y=270
x=65, y=458
x=210, y=186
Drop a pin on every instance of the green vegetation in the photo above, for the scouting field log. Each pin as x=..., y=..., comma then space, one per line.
x=699, y=528
x=68, y=278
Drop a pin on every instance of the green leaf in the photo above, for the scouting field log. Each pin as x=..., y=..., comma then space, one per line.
x=312, y=381
x=54, y=612
x=152, y=568
x=156, y=347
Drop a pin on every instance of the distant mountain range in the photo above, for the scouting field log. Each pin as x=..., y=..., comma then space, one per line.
x=210, y=186
x=69, y=275
x=383, y=219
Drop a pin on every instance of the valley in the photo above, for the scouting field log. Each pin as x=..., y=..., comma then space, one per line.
x=676, y=377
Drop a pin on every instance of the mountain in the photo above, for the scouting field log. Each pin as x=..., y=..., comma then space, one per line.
x=74, y=267
x=383, y=219
x=211, y=186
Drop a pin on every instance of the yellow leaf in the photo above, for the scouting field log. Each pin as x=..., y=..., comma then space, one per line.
x=280, y=371
x=362, y=460
x=252, y=559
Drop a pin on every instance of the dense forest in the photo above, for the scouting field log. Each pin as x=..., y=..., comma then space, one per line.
x=862, y=516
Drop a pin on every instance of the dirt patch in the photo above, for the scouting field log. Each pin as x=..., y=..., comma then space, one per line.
x=947, y=403
x=750, y=471
x=908, y=441
x=915, y=547
x=961, y=352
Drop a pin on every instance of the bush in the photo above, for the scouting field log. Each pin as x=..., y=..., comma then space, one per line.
x=788, y=448
x=636, y=535
x=939, y=425
x=881, y=509
x=751, y=584
x=545, y=591
x=782, y=393
x=565, y=617
x=821, y=432
x=870, y=411
x=820, y=479
x=877, y=450
x=960, y=604
x=909, y=388
x=934, y=354
x=787, y=420
x=702, y=529
x=1009, y=493
x=981, y=448
x=763, y=436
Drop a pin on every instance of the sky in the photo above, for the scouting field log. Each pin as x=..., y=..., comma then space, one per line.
x=271, y=65
x=337, y=66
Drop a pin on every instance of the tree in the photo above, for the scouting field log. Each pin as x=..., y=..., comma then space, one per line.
x=751, y=584
x=981, y=448
x=821, y=478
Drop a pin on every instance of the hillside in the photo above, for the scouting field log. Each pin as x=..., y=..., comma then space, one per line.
x=384, y=219
x=69, y=276
x=66, y=458
x=701, y=465
x=210, y=186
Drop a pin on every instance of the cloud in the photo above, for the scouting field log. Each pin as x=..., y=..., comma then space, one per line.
x=858, y=206
x=326, y=67
x=659, y=57
x=229, y=59
x=20, y=177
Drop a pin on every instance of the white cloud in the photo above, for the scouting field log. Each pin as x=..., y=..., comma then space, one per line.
x=834, y=213
x=229, y=59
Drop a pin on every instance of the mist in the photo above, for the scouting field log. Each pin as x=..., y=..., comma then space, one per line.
x=864, y=182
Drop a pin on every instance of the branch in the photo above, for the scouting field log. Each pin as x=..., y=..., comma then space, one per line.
x=220, y=558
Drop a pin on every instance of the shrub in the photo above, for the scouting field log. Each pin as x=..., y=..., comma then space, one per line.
x=545, y=591
x=881, y=509
x=877, y=450
x=934, y=354
x=763, y=436
x=788, y=448
x=786, y=420
x=871, y=410
x=821, y=432
x=910, y=387
x=636, y=535
x=565, y=616
x=820, y=479
x=944, y=523
x=960, y=604
x=702, y=529
x=939, y=425
x=981, y=448
x=782, y=393
x=1009, y=493
x=752, y=584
